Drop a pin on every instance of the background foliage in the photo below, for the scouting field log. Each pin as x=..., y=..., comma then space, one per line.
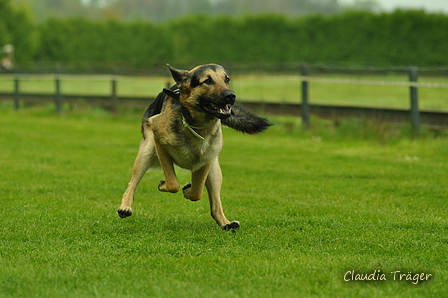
x=352, y=37
x=163, y=10
x=399, y=38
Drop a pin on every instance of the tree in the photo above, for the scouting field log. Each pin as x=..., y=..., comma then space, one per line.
x=17, y=29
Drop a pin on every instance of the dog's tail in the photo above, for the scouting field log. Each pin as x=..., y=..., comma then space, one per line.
x=246, y=122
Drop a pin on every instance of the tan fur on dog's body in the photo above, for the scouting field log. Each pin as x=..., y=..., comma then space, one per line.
x=204, y=100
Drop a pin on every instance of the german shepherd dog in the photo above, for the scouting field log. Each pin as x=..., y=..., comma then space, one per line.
x=182, y=126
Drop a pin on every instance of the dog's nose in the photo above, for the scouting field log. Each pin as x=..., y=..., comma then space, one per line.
x=229, y=96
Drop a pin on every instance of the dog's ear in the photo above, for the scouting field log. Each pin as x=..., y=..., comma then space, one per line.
x=178, y=75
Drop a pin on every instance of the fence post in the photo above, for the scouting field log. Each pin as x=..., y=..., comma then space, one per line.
x=58, y=96
x=305, y=107
x=16, y=93
x=114, y=92
x=415, y=114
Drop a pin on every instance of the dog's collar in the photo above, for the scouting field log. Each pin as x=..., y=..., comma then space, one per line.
x=192, y=128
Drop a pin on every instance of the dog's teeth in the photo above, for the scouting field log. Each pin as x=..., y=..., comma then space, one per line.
x=225, y=110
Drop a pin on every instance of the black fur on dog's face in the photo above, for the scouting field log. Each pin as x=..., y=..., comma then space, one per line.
x=205, y=89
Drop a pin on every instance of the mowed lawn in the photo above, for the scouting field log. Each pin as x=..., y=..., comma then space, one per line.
x=314, y=207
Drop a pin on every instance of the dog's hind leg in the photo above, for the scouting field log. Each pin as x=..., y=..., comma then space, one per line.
x=145, y=156
x=213, y=184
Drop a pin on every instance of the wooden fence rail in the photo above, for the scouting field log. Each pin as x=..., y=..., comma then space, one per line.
x=305, y=108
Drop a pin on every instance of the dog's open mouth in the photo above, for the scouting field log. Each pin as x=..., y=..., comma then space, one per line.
x=221, y=112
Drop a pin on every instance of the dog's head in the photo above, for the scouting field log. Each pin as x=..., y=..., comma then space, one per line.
x=205, y=89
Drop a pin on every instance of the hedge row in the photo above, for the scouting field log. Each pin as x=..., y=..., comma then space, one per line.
x=398, y=38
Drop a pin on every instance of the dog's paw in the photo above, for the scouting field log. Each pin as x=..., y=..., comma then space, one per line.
x=189, y=194
x=124, y=212
x=234, y=225
x=163, y=186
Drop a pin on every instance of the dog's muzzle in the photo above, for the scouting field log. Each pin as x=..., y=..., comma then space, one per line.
x=229, y=96
x=222, y=107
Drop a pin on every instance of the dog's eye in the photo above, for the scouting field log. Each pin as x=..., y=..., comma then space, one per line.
x=227, y=80
x=208, y=81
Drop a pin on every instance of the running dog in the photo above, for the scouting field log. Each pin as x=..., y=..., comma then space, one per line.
x=182, y=126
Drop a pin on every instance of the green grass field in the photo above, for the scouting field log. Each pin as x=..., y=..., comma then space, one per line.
x=313, y=206
x=264, y=88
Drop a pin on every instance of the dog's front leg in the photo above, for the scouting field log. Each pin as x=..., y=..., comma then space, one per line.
x=141, y=165
x=193, y=191
x=213, y=184
x=170, y=184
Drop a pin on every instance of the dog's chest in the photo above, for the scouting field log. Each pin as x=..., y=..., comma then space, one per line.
x=193, y=154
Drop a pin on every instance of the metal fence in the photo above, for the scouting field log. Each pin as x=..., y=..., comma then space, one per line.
x=389, y=94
